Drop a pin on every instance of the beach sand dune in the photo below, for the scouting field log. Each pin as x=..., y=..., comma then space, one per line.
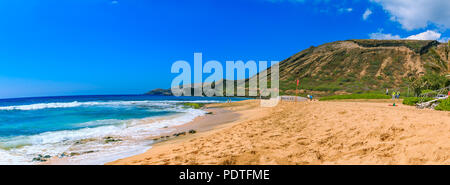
x=313, y=133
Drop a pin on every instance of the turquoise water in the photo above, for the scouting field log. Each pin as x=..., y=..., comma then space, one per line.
x=57, y=126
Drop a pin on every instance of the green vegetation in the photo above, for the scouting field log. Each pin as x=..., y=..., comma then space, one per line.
x=428, y=83
x=444, y=105
x=356, y=96
x=414, y=100
x=194, y=105
x=418, y=46
x=429, y=93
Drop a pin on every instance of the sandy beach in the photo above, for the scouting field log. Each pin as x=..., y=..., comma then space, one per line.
x=302, y=133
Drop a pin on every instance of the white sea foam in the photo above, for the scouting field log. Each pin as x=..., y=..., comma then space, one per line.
x=108, y=103
x=8, y=158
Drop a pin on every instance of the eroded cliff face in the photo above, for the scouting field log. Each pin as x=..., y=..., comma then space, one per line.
x=363, y=65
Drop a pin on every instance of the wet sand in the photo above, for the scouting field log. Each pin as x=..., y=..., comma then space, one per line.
x=337, y=132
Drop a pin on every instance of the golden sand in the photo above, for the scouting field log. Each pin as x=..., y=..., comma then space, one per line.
x=312, y=133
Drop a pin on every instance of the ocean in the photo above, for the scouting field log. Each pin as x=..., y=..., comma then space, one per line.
x=89, y=129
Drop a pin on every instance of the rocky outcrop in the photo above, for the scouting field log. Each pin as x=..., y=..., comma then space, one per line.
x=160, y=92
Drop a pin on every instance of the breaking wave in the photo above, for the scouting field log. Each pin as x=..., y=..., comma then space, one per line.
x=97, y=103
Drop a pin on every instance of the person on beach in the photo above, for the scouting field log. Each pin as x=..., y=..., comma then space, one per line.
x=394, y=96
x=387, y=91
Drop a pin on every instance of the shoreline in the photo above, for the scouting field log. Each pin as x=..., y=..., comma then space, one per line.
x=200, y=124
x=222, y=116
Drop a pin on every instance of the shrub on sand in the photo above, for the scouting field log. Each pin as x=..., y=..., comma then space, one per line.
x=194, y=105
x=444, y=105
x=414, y=100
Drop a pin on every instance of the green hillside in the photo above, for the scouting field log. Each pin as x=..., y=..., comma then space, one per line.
x=356, y=66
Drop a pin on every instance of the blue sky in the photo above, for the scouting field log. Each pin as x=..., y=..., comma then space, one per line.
x=75, y=47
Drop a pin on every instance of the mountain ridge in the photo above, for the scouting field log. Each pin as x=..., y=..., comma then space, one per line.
x=354, y=66
x=360, y=65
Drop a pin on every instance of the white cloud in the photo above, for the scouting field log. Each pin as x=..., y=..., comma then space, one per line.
x=427, y=35
x=383, y=36
x=345, y=9
x=366, y=14
x=415, y=14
